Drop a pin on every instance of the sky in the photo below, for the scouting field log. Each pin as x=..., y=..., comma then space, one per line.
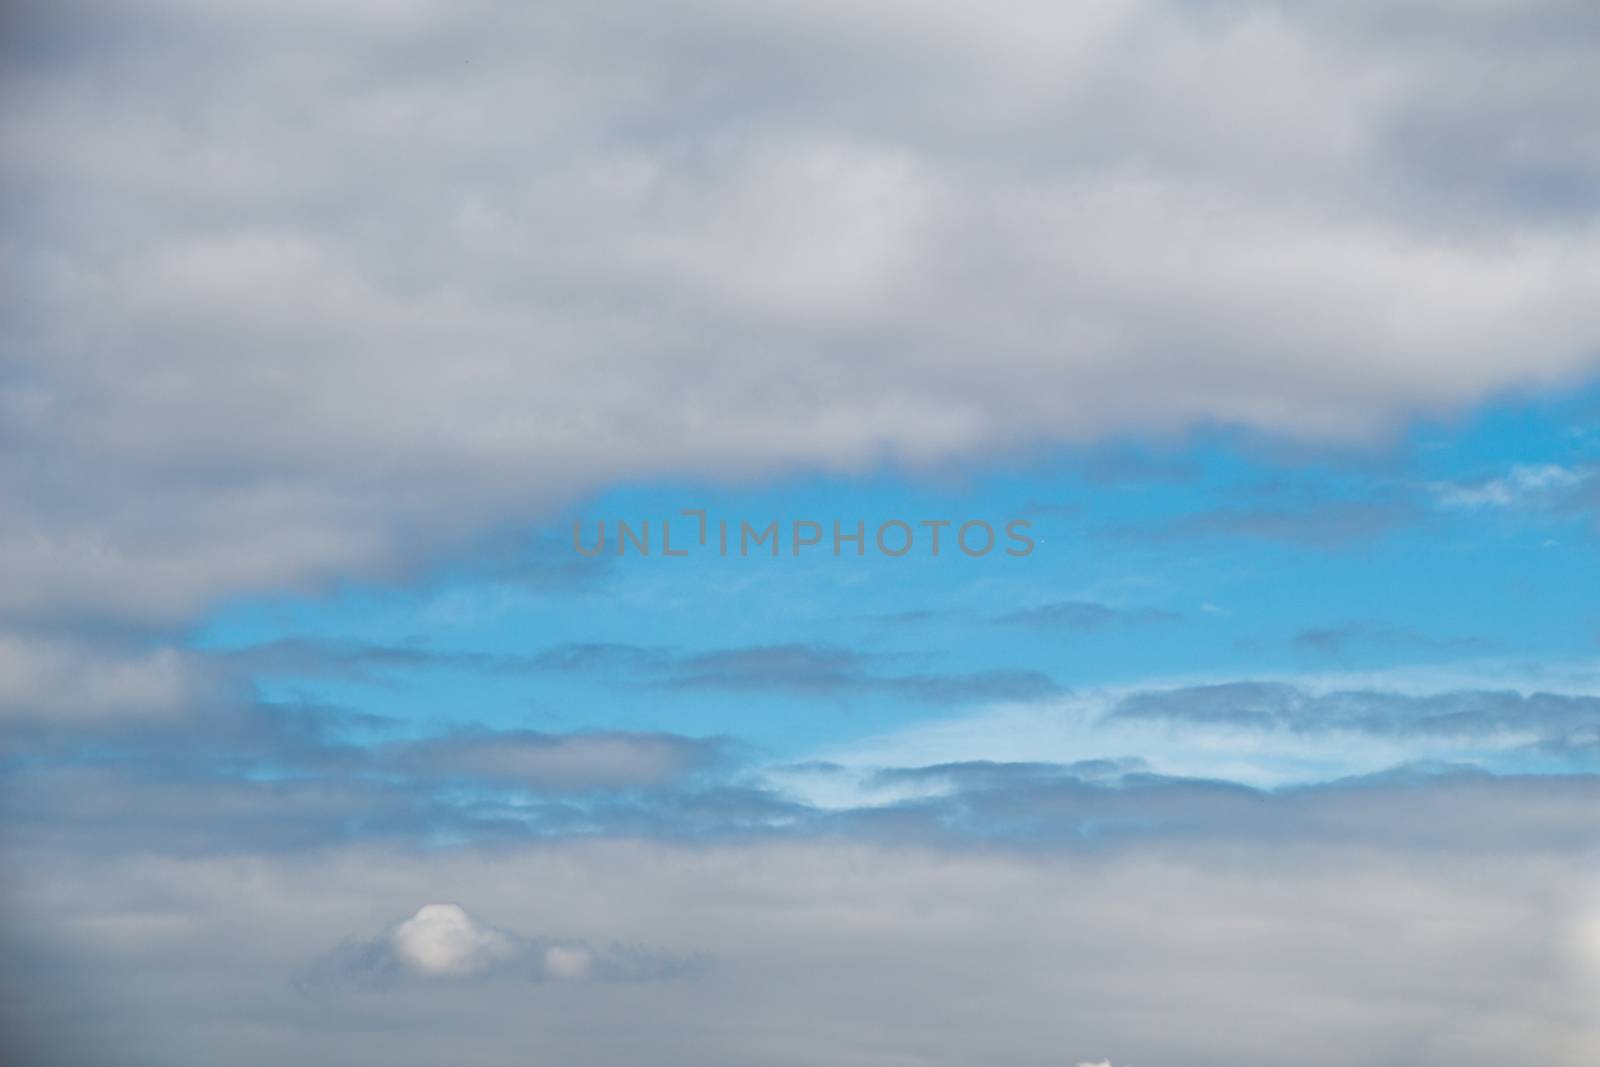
x=339, y=723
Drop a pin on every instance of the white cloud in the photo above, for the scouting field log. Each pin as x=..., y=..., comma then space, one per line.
x=1271, y=731
x=442, y=939
x=341, y=288
x=1535, y=484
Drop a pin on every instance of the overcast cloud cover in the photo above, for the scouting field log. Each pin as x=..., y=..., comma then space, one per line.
x=318, y=745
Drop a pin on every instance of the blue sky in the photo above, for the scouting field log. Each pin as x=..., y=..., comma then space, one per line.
x=1460, y=553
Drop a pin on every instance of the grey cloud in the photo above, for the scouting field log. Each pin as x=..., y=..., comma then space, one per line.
x=1269, y=705
x=1084, y=615
x=292, y=299
x=496, y=789
x=183, y=808
x=797, y=670
x=51, y=678
x=580, y=762
x=971, y=687
x=166, y=703
x=1344, y=637
x=982, y=774
x=356, y=659
x=599, y=656
x=905, y=618
x=1469, y=903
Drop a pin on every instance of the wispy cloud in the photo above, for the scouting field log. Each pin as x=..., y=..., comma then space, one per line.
x=1084, y=615
x=1537, y=486
x=797, y=670
x=1345, y=637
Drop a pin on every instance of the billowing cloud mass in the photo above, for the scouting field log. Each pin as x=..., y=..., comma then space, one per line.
x=298, y=291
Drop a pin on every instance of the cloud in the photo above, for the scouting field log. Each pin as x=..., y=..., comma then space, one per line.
x=1263, y=733
x=578, y=762
x=1084, y=615
x=798, y=670
x=1339, y=639
x=309, y=657
x=302, y=305
x=987, y=774
x=441, y=939
x=1535, y=486
x=442, y=942
x=600, y=657
x=55, y=679
x=1461, y=901
x=1447, y=714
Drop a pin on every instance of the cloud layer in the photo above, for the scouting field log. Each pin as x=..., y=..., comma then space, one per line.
x=300, y=291
x=1382, y=933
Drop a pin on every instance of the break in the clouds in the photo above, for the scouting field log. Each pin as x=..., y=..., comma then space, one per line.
x=298, y=292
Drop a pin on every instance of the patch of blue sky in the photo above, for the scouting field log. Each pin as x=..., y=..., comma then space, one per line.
x=1211, y=557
